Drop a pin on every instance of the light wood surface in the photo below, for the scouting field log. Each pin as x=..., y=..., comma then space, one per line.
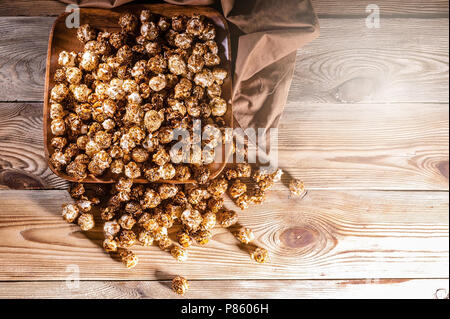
x=258, y=289
x=328, y=234
x=366, y=128
x=323, y=8
x=406, y=60
x=339, y=146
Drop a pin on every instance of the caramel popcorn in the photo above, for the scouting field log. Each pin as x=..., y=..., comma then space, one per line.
x=243, y=201
x=203, y=236
x=67, y=59
x=191, y=219
x=86, y=33
x=179, y=253
x=86, y=222
x=76, y=190
x=84, y=204
x=110, y=245
x=70, y=212
x=215, y=204
x=129, y=259
x=227, y=218
x=297, y=188
x=146, y=238
x=164, y=242
x=184, y=239
x=180, y=285
x=245, y=235
x=151, y=199
x=111, y=229
x=209, y=221
x=260, y=255
x=237, y=189
x=115, y=110
x=231, y=174
x=147, y=222
x=126, y=221
x=244, y=170
x=127, y=238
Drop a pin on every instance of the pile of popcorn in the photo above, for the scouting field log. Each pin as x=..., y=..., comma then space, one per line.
x=145, y=213
x=116, y=104
x=114, y=110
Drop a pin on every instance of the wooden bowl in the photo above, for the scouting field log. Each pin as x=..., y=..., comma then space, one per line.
x=63, y=38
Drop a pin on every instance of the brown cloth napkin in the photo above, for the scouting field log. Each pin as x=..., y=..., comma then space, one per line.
x=267, y=34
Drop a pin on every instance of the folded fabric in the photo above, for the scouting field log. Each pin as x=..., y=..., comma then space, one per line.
x=266, y=37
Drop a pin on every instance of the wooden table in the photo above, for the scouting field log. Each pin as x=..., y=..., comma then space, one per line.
x=366, y=127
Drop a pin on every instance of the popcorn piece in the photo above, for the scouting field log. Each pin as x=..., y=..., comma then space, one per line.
x=111, y=229
x=215, y=204
x=59, y=92
x=260, y=255
x=180, y=285
x=202, y=237
x=243, y=201
x=126, y=221
x=209, y=221
x=167, y=191
x=184, y=239
x=129, y=259
x=297, y=188
x=86, y=222
x=164, y=243
x=110, y=245
x=67, y=59
x=70, y=212
x=148, y=223
x=227, y=218
x=146, y=238
x=245, y=235
x=237, y=189
x=126, y=239
x=129, y=23
x=86, y=33
x=177, y=65
x=218, y=106
x=191, y=219
x=179, y=253
x=76, y=190
x=151, y=199
x=218, y=187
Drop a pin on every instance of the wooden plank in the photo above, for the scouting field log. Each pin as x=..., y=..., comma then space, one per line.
x=406, y=60
x=373, y=146
x=233, y=289
x=31, y=8
x=322, y=7
x=370, y=146
x=327, y=235
x=23, y=55
x=22, y=159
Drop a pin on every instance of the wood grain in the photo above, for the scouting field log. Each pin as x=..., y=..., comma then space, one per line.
x=367, y=146
x=322, y=7
x=23, y=57
x=22, y=161
x=364, y=146
x=327, y=235
x=406, y=60
x=235, y=289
